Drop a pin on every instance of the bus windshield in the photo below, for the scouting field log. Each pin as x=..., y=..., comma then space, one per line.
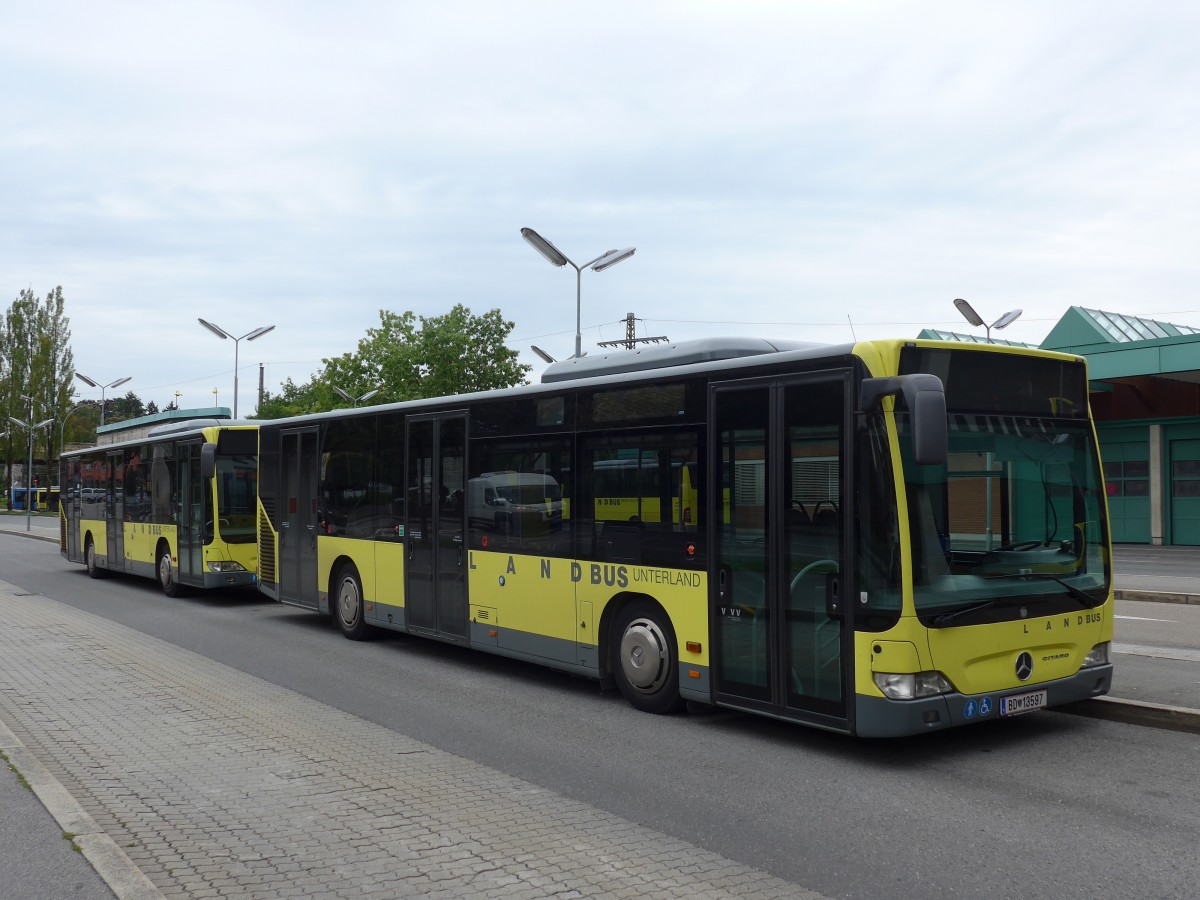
x=236, y=482
x=1016, y=515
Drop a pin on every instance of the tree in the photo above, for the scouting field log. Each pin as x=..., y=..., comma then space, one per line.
x=35, y=382
x=407, y=358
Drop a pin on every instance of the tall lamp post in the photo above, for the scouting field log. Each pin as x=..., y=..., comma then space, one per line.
x=29, y=472
x=103, y=388
x=62, y=427
x=975, y=319
x=557, y=258
x=248, y=336
x=354, y=401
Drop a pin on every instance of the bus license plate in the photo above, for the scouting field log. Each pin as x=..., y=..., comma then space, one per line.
x=1022, y=703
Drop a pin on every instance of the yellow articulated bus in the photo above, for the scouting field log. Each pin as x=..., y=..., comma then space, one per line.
x=881, y=539
x=177, y=505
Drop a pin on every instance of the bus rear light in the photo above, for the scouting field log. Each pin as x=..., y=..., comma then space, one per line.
x=912, y=686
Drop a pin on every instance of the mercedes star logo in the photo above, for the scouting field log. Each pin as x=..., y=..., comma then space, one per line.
x=1024, y=666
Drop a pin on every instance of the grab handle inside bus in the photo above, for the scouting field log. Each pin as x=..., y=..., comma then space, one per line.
x=208, y=461
x=926, y=399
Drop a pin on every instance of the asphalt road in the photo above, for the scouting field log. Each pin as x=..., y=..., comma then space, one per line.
x=1044, y=805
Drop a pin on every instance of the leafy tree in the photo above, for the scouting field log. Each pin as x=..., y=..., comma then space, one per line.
x=455, y=353
x=292, y=400
x=36, y=370
x=408, y=357
x=118, y=409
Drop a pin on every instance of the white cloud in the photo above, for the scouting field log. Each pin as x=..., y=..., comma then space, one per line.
x=307, y=164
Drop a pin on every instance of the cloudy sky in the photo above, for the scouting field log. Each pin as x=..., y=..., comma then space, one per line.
x=810, y=170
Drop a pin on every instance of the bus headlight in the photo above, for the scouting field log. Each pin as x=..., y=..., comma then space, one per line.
x=1097, y=657
x=224, y=566
x=911, y=686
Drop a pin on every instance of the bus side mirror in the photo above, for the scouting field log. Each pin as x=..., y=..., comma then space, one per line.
x=926, y=400
x=208, y=461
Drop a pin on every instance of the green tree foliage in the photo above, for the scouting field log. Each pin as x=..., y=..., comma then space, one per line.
x=36, y=368
x=409, y=357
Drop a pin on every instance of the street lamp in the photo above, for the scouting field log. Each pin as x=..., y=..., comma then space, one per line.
x=29, y=471
x=62, y=428
x=248, y=336
x=354, y=401
x=103, y=388
x=975, y=319
x=557, y=258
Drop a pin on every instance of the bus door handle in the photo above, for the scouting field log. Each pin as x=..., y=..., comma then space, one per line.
x=833, y=595
x=722, y=583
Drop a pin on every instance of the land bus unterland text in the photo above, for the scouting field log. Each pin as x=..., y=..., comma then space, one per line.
x=177, y=505
x=881, y=538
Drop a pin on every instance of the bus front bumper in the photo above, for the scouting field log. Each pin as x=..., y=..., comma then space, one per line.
x=880, y=717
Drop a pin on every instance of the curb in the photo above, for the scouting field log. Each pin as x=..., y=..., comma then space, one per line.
x=1157, y=596
x=1137, y=712
x=53, y=539
x=110, y=862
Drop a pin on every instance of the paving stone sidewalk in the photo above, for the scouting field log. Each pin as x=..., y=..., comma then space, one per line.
x=214, y=783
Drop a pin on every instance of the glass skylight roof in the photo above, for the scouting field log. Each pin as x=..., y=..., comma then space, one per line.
x=1122, y=328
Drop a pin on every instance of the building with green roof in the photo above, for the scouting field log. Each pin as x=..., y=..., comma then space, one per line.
x=1145, y=395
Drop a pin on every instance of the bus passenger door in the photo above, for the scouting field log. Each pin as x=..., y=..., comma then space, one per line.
x=114, y=511
x=189, y=515
x=779, y=569
x=435, y=526
x=298, y=519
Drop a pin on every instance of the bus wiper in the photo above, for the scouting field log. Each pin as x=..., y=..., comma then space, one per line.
x=1088, y=601
x=946, y=618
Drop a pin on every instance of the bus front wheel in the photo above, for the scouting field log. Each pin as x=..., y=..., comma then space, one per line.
x=167, y=575
x=645, y=661
x=349, y=609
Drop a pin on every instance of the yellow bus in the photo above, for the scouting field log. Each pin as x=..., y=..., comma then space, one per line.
x=177, y=506
x=882, y=538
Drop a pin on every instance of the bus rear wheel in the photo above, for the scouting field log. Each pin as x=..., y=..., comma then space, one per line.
x=349, y=609
x=167, y=575
x=645, y=661
x=89, y=560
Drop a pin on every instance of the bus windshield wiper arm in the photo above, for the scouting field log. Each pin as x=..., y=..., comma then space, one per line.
x=946, y=618
x=1079, y=594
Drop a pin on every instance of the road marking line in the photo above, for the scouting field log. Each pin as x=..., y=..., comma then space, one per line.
x=1179, y=653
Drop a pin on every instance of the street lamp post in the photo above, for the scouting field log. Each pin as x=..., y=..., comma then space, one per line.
x=29, y=472
x=557, y=258
x=975, y=319
x=62, y=427
x=103, y=388
x=354, y=401
x=248, y=336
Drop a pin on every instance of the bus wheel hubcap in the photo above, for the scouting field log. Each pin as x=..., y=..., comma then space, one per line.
x=644, y=655
x=164, y=569
x=348, y=603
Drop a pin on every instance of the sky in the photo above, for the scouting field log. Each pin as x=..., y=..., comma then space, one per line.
x=821, y=171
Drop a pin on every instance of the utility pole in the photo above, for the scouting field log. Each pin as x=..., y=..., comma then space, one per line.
x=631, y=338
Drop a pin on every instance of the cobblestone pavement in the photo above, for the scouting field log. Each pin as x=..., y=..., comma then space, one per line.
x=214, y=783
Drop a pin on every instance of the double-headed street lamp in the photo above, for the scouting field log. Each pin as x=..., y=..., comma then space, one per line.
x=29, y=472
x=248, y=336
x=975, y=319
x=354, y=401
x=103, y=388
x=557, y=258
